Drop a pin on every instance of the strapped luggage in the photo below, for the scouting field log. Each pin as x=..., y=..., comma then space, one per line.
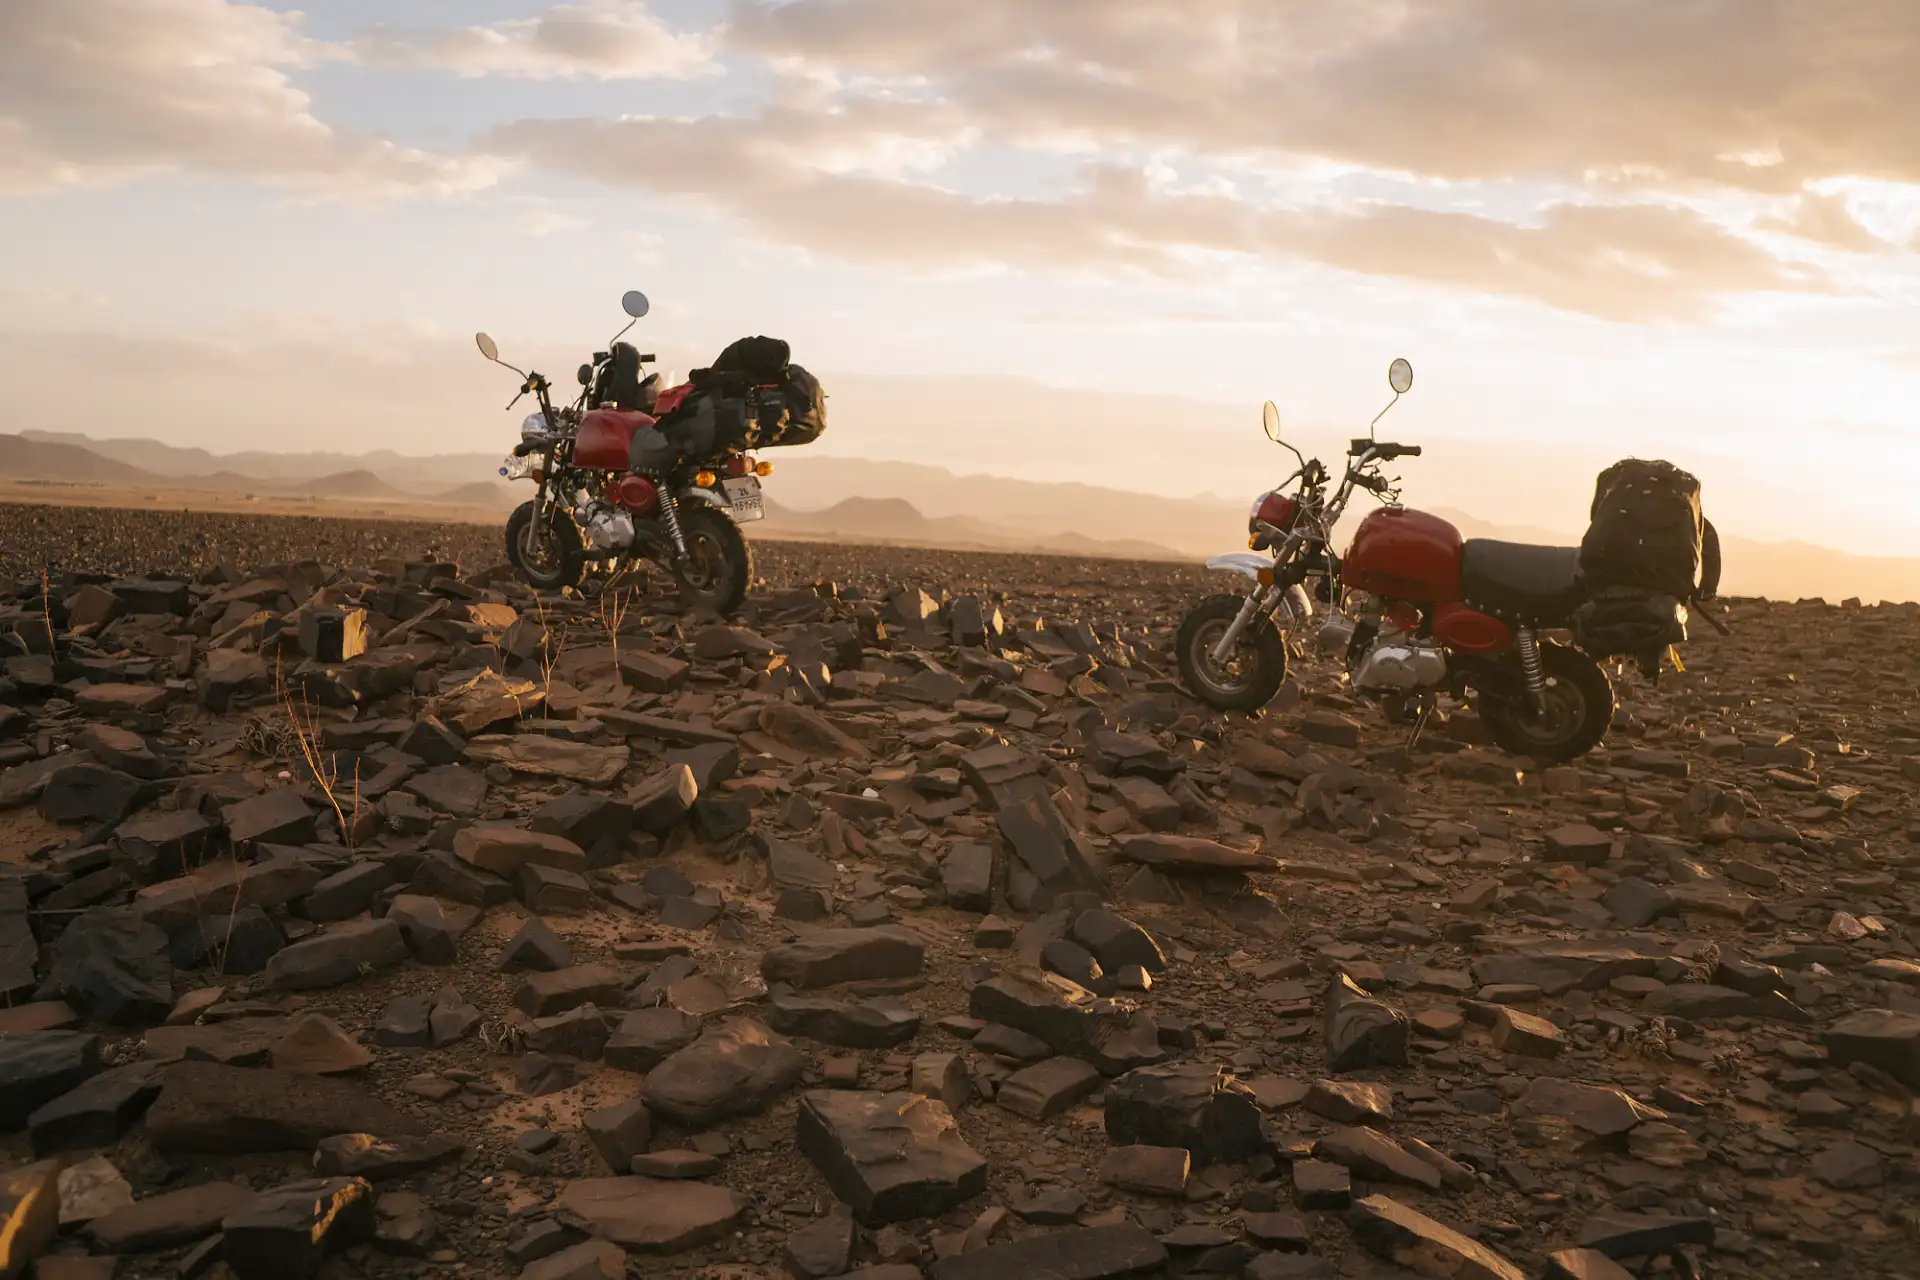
x=1647, y=533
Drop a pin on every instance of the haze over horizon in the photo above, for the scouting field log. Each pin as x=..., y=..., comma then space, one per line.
x=1072, y=241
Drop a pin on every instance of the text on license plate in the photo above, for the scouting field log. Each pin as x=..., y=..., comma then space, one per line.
x=744, y=502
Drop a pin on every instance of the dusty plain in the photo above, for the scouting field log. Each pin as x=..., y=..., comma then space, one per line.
x=915, y=924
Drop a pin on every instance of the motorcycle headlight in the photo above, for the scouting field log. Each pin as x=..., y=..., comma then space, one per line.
x=535, y=426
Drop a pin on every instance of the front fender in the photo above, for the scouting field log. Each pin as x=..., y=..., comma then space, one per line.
x=1248, y=564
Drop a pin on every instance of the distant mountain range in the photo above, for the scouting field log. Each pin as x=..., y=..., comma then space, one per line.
x=813, y=496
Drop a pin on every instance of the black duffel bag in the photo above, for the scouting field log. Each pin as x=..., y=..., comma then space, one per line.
x=1647, y=533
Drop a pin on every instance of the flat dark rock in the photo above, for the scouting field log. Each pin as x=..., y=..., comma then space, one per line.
x=736, y=1068
x=891, y=1157
x=211, y=1108
x=1078, y=1253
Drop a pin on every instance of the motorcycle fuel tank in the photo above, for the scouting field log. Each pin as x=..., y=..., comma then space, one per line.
x=604, y=437
x=1400, y=554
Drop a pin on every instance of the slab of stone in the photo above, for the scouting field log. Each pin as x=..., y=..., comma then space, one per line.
x=1190, y=854
x=37, y=1067
x=588, y=1260
x=534, y=946
x=340, y=955
x=891, y=1157
x=1112, y=1034
x=649, y=1215
x=206, y=1107
x=1154, y=1171
x=1878, y=1037
x=827, y=957
x=867, y=1024
x=170, y=1218
x=1526, y=1035
x=361, y=1155
x=1375, y=1158
x=289, y=1232
x=1410, y=1238
x=1360, y=1031
x=502, y=851
x=1123, y=1252
x=114, y=966
x=98, y=1112
x=544, y=994
x=1619, y=1234
x=29, y=1214
x=1045, y=1089
x=647, y=1037
x=1601, y=1111
x=315, y=1044
x=1196, y=1106
x=1351, y=1102
x=736, y=1068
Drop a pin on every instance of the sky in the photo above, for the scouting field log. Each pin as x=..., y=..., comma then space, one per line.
x=1598, y=228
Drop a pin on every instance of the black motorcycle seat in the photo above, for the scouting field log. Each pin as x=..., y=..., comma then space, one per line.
x=1520, y=581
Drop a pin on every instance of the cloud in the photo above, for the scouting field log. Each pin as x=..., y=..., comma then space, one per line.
x=1827, y=220
x=100, y=90
x=1616, y=261
x=540, y=221
x=605, y=39
x=1763, y=95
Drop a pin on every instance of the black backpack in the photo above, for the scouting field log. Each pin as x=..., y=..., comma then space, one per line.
x=1647, y=533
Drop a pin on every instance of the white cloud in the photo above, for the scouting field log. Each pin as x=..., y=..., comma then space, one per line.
x=101, y=90
x=540, y=222
x=605, y=39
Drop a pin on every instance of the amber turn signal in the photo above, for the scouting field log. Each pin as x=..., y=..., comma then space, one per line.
x=704, y=479
x=1266, y=577
x=763, y=468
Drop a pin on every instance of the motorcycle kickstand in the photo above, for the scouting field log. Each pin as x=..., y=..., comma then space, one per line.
x=1426, y=703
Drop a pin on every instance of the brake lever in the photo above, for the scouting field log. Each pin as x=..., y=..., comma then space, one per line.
x=517, y=399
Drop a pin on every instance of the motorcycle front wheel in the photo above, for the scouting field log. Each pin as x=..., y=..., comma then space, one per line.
x=1578, y=711
x=1251, y=675
x=718, y=567
x=548, y=553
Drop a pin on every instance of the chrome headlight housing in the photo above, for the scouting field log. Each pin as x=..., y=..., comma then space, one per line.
x=535, y=427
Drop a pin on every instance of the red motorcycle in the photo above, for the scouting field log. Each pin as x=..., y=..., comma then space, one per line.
x=1432, y=611
x=613, y=492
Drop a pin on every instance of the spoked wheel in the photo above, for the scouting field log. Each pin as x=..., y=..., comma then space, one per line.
x=719, y=564
x=1252, y=672
x=1579, y=710
x=548, y=553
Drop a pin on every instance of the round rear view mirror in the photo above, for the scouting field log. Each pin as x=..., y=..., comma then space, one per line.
x=634, y=303
x=486, y=346
x=1400, y=376
x=1270, y=419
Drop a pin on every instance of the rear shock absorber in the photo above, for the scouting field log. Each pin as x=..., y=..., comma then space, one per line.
x=1530, y=669
x=670, y=517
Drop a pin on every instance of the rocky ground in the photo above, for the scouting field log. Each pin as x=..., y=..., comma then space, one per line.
x=364, y=916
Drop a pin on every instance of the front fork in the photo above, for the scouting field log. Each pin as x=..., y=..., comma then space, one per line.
x=1256, y=604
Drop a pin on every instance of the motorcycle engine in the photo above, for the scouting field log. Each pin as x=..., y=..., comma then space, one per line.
x=608, y=528
x=1400, y=661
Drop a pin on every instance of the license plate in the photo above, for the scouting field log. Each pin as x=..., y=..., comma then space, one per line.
x=743, y=499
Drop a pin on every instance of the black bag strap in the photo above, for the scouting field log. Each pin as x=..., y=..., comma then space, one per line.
x=1709, y=561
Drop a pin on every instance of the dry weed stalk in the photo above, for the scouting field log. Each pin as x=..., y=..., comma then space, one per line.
x=612, y=616
x=307, y=736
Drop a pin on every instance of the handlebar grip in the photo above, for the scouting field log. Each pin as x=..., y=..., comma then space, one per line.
x=648, y=358
x=1413, y=451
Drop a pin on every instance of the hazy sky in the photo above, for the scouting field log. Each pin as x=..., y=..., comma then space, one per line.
x=1597, y=227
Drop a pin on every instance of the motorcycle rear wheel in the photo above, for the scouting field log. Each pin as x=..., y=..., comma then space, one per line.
x=1579, y=710
x=1251, y=677
x=718, y=567
x=548, y=554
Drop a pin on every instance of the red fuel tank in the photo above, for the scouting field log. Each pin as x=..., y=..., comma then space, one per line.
x=605, y=434
x=1404, y=555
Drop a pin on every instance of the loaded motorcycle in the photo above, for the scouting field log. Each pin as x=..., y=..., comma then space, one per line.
x=1432, y=611
x=612, y=491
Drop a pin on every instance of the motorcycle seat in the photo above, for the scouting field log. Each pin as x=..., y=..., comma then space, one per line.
x=1520, y=581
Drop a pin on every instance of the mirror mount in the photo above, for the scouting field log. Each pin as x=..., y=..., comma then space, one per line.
x=1270, y=419
x=635, y=304
x=491, y=351
x=1400, y=378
